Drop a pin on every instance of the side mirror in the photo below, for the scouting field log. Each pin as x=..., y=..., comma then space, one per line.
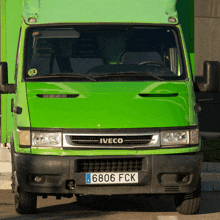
x=5, y=88
x=210, y=80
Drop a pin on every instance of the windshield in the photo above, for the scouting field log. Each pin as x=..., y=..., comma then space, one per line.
x=103, y=53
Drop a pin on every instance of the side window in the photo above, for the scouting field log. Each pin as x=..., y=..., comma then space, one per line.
x=17, y=58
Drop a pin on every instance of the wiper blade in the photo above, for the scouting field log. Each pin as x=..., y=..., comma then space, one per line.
x=135, y=73
x=55, y=75
x=87, y=77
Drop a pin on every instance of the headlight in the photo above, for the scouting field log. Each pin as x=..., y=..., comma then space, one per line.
x=46, y=139
x=175, y=137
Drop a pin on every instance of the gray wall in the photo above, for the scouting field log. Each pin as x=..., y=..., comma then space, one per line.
x=207, y=33
x=207, y=48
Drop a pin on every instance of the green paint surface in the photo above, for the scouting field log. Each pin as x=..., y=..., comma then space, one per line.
x=111, y=152
x=84, y=11
x=108, y=105
x=186, y=16
x=11, y=17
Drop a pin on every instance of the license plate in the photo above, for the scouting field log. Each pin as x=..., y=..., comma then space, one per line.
x=111, y=178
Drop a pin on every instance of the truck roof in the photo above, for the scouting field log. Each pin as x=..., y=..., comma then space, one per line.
x=95, y=11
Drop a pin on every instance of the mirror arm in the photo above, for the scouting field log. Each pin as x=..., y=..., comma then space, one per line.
x=8, y=88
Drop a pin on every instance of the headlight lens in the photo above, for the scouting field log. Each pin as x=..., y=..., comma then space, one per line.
x=46, y=139
x=175, y=137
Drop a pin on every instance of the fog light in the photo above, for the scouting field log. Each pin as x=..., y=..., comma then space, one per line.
x=38, y=179
x=185, y=179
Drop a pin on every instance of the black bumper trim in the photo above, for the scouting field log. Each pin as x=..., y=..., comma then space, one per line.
x=58, y=170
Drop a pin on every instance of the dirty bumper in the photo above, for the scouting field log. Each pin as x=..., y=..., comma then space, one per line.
x=131, y=174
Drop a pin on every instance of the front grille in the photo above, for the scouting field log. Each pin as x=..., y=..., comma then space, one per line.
x=95, y=140
x=109, y=165
x=113, y=141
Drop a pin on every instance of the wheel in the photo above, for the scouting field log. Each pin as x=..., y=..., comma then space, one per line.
x=25, y=203
x=188, y=204
x=78, y=198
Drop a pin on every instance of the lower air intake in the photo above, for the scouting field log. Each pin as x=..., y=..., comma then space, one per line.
x=110, y=165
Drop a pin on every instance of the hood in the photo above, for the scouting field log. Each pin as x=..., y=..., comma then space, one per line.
x=108, y=104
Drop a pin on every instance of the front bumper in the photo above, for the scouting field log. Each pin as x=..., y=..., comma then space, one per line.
x=160, y=174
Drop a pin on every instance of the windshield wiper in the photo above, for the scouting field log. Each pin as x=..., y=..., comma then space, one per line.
x=55, y=75
x=134, y=73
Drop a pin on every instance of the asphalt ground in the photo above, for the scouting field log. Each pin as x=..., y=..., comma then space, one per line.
x=110, y=208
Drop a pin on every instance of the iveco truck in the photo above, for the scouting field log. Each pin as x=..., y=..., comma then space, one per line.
x=98, y=98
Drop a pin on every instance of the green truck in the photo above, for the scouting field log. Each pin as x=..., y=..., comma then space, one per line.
x=98, y=99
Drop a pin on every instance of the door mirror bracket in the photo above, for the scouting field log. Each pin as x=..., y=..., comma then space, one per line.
x=5, y=88
x=211, y=75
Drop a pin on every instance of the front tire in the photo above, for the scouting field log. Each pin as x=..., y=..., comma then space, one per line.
x=188, y=204
x=25, y=203
x=78, y=198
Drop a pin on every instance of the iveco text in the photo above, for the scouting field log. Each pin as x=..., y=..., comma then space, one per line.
x=111, y=140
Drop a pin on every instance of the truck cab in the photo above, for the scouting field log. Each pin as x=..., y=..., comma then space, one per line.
x=101, y=102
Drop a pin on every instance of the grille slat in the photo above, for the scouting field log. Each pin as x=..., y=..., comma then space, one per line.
x=147, y=140
x=109, y=165
x=86, y=141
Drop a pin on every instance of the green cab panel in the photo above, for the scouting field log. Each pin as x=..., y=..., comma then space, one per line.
x=11, y=18
x=84, y=11
x=109, y=105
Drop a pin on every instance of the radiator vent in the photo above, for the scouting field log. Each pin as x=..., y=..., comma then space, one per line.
x=109, y=165
x=57, y=95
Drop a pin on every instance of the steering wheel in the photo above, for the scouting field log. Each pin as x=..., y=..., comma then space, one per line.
x=152, y=62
